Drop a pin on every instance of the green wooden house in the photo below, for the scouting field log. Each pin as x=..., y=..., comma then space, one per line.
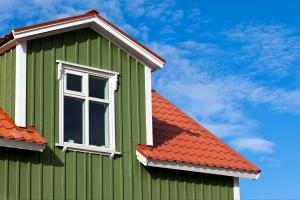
x=78, y=120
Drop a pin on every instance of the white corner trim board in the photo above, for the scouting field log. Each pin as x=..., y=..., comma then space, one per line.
x=20, y=97
x=16, y=144
x=236, y=188
x=148, y=98
x=195, y=168
x=101, y=27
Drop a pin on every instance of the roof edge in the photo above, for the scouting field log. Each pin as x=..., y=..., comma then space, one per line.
x=19, y=144
x=195, y=168
x=28, y=32
x=211, y=134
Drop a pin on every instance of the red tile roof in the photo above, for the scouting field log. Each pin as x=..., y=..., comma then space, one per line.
x=90, y=13
x=179, y=138
x=9, y=130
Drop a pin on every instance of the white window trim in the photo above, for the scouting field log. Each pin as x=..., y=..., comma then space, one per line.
x=195, y=168
x=112, y=84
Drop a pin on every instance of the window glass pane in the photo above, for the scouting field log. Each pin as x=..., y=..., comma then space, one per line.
x=98, y=121
x=73, y=120
x=98, y=87
x=74, y=82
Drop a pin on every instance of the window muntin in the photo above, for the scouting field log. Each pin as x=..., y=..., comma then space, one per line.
x=95, y=112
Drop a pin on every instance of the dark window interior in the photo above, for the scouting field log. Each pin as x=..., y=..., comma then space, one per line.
x=97, y=87
x=73, y=120
x=74, y=82
x=97, y=115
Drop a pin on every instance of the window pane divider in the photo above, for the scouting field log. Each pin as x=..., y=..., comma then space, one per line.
x=74, y=96
x=86, y=131
x=99, y=100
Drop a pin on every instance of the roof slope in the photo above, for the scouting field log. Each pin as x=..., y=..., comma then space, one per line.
x=8, y=130
x=91, y=13
x=179, y=138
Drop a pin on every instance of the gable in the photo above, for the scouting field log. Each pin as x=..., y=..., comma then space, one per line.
x=90, y=19
x=84, y=47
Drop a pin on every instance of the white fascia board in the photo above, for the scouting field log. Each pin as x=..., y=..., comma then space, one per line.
x=52, y=29
x=236, y=188
x=99, y=26
x=129, y=42
x=20, y=93
x=17, y=144
x=195, y=168
x=148, y=101
x=8, y=46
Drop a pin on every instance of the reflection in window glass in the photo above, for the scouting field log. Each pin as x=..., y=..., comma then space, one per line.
x=74, y=82
x=98, y=87
x=73, y=120
x=98, y=124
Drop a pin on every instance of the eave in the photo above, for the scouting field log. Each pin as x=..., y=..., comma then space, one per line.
x=94, y=21
x=196, y=168
x=18, y=144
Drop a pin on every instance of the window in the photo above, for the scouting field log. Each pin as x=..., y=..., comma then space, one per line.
x=87, y=108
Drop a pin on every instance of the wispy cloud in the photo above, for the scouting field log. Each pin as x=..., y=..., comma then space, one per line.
x=272, y=162
x=219, y=101
x=273, y=49
x=16, y=13
x=253, y=144
x=194, y=77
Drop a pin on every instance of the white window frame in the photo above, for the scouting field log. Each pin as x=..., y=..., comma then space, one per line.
x=86, y=71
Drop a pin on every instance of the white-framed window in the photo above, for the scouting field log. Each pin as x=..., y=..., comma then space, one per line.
x=87, y=110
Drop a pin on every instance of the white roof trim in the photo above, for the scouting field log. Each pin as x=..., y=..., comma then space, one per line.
x=17, y=144
x=99, y=26
x=8, y=46
x=195, y=168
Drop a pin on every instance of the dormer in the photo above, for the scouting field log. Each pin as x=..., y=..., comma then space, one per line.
x=76, y=103
x=82, y=52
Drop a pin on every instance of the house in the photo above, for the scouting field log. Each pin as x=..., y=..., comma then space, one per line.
x=78, y=120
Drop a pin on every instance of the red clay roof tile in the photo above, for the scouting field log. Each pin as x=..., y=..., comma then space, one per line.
x=8, y=130
x=177, y=137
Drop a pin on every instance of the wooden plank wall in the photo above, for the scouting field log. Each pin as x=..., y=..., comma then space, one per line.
x=54, y=174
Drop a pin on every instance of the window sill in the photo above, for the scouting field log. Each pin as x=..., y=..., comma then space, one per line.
x=87, y=149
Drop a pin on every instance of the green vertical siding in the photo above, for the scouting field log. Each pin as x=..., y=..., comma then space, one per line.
x=54, y=174
x=7, y=81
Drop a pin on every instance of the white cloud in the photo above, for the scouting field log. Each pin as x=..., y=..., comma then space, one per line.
x=33, y=11
x=218, y=101
x=257, y=145
x=271, y=161
x=193, y=78
x=274, y=49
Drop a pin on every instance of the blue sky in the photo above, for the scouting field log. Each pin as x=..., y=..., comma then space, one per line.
x=232, y=65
